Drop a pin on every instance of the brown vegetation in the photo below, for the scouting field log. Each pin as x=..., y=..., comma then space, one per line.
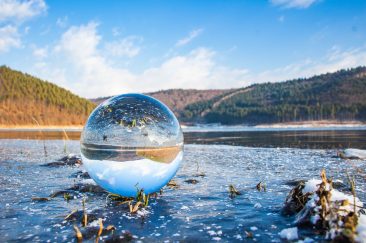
x=26, y=100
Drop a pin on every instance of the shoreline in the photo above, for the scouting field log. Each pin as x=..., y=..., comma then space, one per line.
x=289, y=125
x=320, y=123
x=42, y=128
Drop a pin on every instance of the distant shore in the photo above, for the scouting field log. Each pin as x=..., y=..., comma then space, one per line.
x=300, y=124
x=319, y=123
x=43, y=128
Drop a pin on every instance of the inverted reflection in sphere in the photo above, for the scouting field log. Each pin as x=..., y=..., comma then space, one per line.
x=131, y=142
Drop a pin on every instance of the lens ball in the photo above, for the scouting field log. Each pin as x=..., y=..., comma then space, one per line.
x=132, y=142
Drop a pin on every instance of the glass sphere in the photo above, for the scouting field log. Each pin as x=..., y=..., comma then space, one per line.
x=132, y=142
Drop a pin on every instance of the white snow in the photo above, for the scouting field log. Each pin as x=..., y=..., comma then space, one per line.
x=211, y=232
x=89, y=181
x=340, y=196
x=142, y=212
x=94, y=223
x=289, y=234
x=361, y=229
x=257, y=205
x=311, y=186
x=359, y=153
x=253, y=228
x=306, y=240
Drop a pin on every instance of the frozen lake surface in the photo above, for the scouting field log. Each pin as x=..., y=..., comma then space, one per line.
x=192, y=212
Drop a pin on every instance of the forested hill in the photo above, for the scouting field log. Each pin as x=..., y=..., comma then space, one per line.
x=178, y=99
x=333, y=96
x=26, y=100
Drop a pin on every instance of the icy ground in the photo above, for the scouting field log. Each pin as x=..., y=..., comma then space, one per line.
x=201, y=211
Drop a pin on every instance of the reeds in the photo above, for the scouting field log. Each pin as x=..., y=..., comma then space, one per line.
x=261, y=186
x=337, y=217
x=85, y=215
x=233, y=191
x=65, y=138
x=42, y=137
x=79, y=236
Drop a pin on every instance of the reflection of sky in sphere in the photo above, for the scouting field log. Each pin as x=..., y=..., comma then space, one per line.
x=124, y=177
x=132, y=140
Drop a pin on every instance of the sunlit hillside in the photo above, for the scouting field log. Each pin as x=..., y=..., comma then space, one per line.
x=27, y=100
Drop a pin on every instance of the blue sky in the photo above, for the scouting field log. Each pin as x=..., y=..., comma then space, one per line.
x=100, y=48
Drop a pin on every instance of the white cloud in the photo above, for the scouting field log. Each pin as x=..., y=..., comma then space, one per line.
x=21, y=10
x=91, y=73
x=9, y=38
x=93, y=76
x=62, y=22
x=12, y=14
x=40, y=52
x=294, y=3
x=26, y=29
x=192, y=35
x=116, y=31
x=197, y=70
x=79, y=62
x=334, y=60
x=126, y=47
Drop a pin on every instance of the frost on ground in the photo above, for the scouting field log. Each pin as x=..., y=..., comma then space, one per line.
x=318, y=203
x=361, y=229
x=289, y=234
x=354, y=154
x=184, y=212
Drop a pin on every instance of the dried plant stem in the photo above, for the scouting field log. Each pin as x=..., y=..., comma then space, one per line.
x=100, y=230
x=85, y=215
x=79, y=236
x=42, y=136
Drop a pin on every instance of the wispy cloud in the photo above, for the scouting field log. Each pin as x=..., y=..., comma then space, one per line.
x=62, y=22
x=12, y=14
x=198, y=70
x=96, y=74
x=334, y=60
x=90, y=71
x=40, y=53
x=9, y=38
x=191, y=36
x=21, y=10
x=294, y=3
x=116, y=31
x=126, y=47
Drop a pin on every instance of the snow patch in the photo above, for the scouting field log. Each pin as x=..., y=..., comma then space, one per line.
x=361, y=229
x=289, y=234
x=359, y=153
x=311, y=186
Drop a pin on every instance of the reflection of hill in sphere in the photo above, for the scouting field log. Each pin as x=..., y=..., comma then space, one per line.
x=132, y=141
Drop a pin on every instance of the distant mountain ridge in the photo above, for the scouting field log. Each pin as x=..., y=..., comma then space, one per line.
x=338, y=96
x=178, y=99
x=26, y=100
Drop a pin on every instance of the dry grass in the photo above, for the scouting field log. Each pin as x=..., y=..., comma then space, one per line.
x=233, y=191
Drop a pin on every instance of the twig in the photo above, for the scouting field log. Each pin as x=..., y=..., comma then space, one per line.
x=79, y=236
x=100, y=230
x=85, y=216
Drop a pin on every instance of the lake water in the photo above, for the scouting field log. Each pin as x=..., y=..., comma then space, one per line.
x=200, y=211
x=331, y=137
